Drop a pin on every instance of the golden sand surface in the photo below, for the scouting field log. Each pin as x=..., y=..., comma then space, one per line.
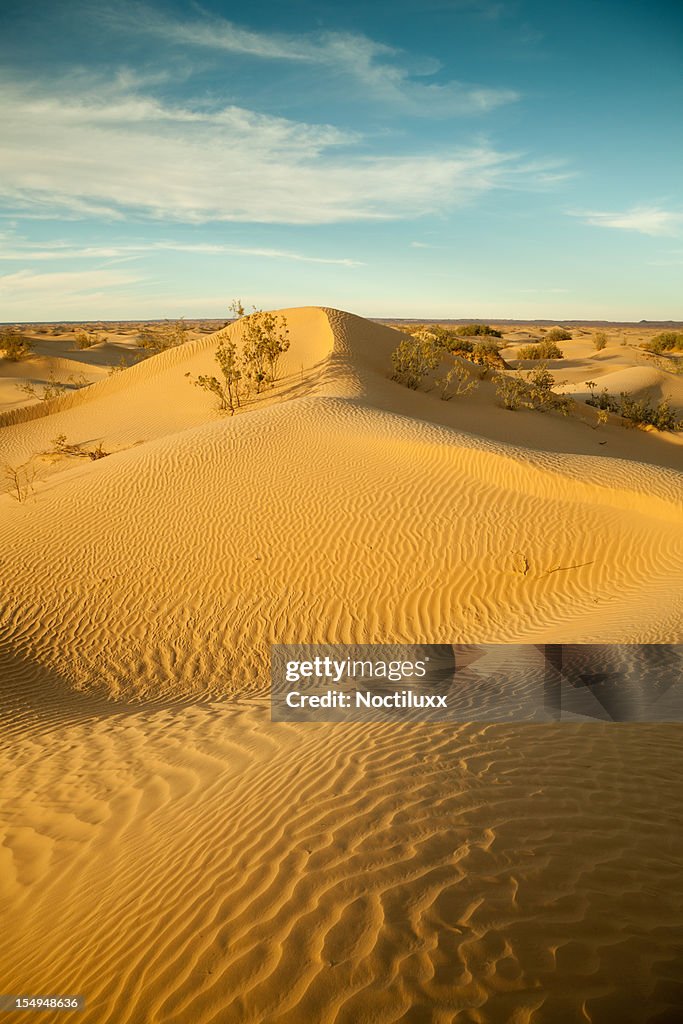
x=171, y=854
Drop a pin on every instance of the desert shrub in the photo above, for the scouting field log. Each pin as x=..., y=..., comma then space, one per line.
x=636, y=411
x=511, y=390
x=599, y=341
x=122, y=364
x=459, y=380
x=531, y=390
x=545, y=349
x=558, y=334
x=412, y=360
x=21, y=480
x=160, y=337
x=60, y=446
x=487, y=353
x=667, y=341
x=478, y=330
x=14, y=346
x=84, y=339
x=540, y=383
x=265, y=341
x=669, y=364
x=226, y=389
x=52, y=388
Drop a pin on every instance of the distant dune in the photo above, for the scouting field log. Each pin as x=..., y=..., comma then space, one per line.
x=174, y=856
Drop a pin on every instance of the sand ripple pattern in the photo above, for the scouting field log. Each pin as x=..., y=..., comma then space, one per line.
x=200, y=865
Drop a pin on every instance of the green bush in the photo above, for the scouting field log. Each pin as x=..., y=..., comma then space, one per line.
x=265, y=340
x=531, y=390
x=545, y=349
x=14, y=346
x=459, y=380
x=227, y=390
x=487, y=353
x=667, y=341
x=412, y=360
x=636, y=411
x=558, y=334
x=84, y=339
x=477, y=330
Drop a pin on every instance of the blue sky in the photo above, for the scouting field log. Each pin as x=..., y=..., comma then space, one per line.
x=452, y=158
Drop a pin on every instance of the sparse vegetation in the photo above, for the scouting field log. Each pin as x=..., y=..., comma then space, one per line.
x=532, y=389
x=158, y=337
x=21, y=480
x=487, y=353
x=636, y=411
x=599, y=341
x=459, y=380
x=14, y=346
x=545, y=349
x=122, y=364
x=413, y=358
x=60, y=446
x=558, y=334
x=477, y=330
x=84, y=339
x=227, y=390
x=52, y=388
x=264, y=342
x=667, y=341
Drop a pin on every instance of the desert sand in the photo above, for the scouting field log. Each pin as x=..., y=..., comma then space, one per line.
x=172, y=855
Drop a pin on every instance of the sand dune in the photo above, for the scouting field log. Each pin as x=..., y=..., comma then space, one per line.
x=173, y=856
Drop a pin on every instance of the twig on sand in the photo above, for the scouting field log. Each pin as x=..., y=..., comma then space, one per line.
x=564, y=568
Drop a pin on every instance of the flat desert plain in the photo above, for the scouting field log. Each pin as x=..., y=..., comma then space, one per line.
x=172, y=855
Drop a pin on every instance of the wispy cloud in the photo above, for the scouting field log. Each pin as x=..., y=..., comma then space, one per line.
x=19, y=251
x=115, y=151
x=386, y=74
x=646, y=220
x=67, y=283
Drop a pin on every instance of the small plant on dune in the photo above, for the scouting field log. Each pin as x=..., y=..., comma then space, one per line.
x=531, y=390
x=85, y=339
x=258, y=366
x=228, y=389
x=637, y=411
x=545, y=349
x=122, y=364
x=21, y=480
x=511, y=390
x=14, y=347
x=413, y=359
x=52, y=388
x=265, y=341
x=558, y=334
x=157, y=338
x=60, y=446
x=540, y=383
x=460, y=380
x=667, y=341
x=599, y=341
